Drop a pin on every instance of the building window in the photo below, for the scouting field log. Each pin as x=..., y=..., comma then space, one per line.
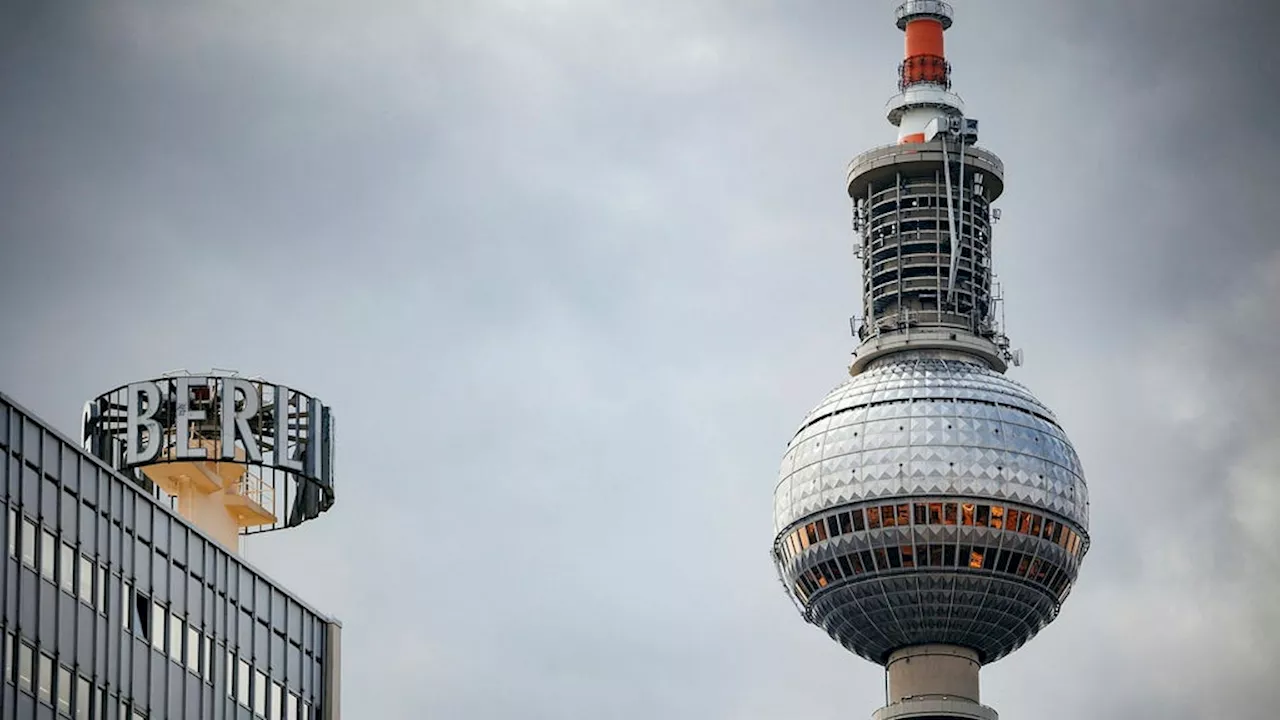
x=48, y=554
x=833, y=526
x=175, y=638
x=274, y=709
x=13, y=533
x=208, y=660
x=102, y=589
x=922, y=514
x=291, y=707
x=129, y=712
x=126, y=604
x=887, y=516
x=846, y=524
x=86, y=580
x=157, y=626
x=67, y=569
x=1023, y=564
x=989, y=560
x=142, y=615
x=24, y=666
x=904, y=515
x=83, y=699
x=935, y=513
x=44, y=682
x=949, y=514
x=1049, y=528
x=29, y=543
x=193, y=650
x=935, y=556
x=997, y=517
x=242, y=682
x=64, y=690
x=259, y=693
x=846, y=569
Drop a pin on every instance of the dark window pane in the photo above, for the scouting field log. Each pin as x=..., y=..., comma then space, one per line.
x=846, y=567
x=989, y=559
x=833, y=526
x=868, y=563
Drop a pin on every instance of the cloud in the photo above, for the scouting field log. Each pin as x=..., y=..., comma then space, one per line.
x=569, y=272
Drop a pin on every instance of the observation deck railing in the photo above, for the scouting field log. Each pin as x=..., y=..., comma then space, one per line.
x=914, y=8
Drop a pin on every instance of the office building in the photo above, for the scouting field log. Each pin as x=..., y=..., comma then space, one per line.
x=125, y=596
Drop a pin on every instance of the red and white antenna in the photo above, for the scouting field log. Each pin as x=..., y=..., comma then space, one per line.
x=924, y=77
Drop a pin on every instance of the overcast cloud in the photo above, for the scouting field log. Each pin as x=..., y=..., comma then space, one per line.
x=570, y=272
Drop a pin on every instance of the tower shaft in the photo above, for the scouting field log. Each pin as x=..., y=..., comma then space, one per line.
x=933, y=681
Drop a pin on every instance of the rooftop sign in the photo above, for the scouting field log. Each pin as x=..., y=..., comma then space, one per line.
x=283, y=438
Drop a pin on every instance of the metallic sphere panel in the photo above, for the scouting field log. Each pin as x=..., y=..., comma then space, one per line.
x=929, y=426
x=991, y=615
x=930, y=500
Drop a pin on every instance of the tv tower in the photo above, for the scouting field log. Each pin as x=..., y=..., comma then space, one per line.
x=930, y=515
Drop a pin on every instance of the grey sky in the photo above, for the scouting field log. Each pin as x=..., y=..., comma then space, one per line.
x=570, y=272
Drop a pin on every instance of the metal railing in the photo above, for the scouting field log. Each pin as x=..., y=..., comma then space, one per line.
x=924, y=69
x=255, y=489
x=913, y=8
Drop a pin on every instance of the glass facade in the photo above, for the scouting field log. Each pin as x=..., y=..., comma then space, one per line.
x=115, y=608
x=884, y=550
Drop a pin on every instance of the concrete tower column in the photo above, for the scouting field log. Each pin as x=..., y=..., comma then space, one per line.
x=937, y=682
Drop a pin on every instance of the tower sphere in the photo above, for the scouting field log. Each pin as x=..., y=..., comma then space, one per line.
x=929, y=499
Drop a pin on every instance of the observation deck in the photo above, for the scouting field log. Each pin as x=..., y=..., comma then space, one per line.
x=923, y=213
